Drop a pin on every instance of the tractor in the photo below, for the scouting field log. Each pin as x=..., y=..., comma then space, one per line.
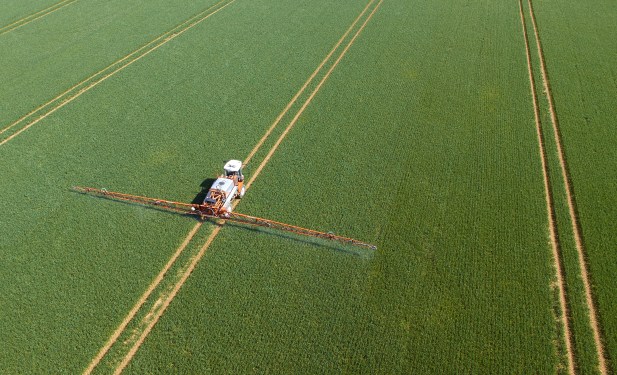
x=224, y=190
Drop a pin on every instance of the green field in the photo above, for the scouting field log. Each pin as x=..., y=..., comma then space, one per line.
x=419, y=138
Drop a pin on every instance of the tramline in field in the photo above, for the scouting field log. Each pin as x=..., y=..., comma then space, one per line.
x=218, y=204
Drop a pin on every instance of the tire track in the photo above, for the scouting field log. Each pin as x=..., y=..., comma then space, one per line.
x=160, y=311
x=109, y=67
x=308, y=101
x=26, y=20
x=77, y=90
x=593, y=315
x=157, y=281
x=305, y=85
x=550, y=207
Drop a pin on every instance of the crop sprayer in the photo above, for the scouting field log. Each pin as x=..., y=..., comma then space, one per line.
x=218, y=204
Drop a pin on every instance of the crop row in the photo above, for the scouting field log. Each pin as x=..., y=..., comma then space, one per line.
x=423, y=144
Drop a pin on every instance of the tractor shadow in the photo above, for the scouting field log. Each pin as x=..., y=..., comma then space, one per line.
x=205, y=185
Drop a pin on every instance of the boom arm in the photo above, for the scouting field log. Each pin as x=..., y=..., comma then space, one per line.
x=204, y=211
x=183, y=208
x=257, y=221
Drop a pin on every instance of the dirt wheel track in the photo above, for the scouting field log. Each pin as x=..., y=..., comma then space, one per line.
x=157, y=280
x=550, y=207
x=35, y=16
x=160, y=311
x=580, y=248
x=94, y=80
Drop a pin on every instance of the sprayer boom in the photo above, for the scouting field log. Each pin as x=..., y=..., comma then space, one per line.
x=215, y=206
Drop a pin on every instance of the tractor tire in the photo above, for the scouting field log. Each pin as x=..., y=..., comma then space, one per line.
x=242, y=191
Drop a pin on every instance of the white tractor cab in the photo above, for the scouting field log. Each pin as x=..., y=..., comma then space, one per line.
x=227, y=186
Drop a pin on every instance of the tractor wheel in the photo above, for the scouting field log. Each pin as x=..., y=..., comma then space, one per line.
x=242, y=191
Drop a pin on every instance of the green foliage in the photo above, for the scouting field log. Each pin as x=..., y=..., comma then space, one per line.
x=422, y=141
